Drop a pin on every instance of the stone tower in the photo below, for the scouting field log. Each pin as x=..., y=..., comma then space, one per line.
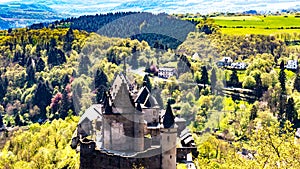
x=123, y=125
x=168, y=140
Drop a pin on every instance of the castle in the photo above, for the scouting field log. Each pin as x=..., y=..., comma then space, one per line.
x=128, y=129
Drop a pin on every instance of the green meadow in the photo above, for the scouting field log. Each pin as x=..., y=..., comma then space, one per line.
x=258, y=24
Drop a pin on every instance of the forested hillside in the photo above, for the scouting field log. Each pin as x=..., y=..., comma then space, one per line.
x=150, y=27
x=240, y=118
x=42, y=146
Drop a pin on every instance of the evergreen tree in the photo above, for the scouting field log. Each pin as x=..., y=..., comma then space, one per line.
x=38, y=51
x=282, y=77
x=204, y=76
x=291, y=113
x=30, y=75
x=147, y=67
x=1, y=120
x=101, y=84
x=258, y=87
x=17, y=56
x=147, y=83
x=69, y=38
x=213, y=80
x=282, y=105
x=56, y=57
x=134, y=59
x=84, y=65
x=65, y=105
x=42, y=97
x=297, y=83
x=234, y=79
x=253, y=112
x=65, y=80
x=282, y=98
x=2, y=89
x=53, y=43
x=18, y=121
x=40, y=66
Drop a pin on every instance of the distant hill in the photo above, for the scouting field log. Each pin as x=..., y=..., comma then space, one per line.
x=5, y=24
x=156, y=29
x=36, y=11
x=15, y=15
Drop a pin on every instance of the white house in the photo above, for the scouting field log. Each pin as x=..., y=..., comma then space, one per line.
x=239, y=65
x=166, y=72
x=196, y=57
x=292, y=64
x=226, y=61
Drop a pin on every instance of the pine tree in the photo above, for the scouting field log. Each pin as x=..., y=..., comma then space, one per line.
x=258, y=87
x=2, y=90
x=40, y=66
x=147, y=67
x=282, y=77
x=213, y=80
x=204, y=76
x=84, y=65
x=30, y=75
x=282, y=98
x=69, y=38
x=134, y=59
x=291, y=113
x=234, y=79
x=253, y=113
x=1, y=120
x=65, y=105
x=101, y=84
x=65, y=80
x=297, y=83
x=18, y=121
x=42, y=97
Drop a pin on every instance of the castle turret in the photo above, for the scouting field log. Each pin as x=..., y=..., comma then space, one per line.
x=139, y=129
x=169, y=139
x=123, y=125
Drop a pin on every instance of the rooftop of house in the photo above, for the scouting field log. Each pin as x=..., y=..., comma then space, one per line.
x=298, y=133
x=92, y=113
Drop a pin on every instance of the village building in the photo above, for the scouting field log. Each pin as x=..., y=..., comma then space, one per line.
x=225, y=61
x=292, y=65
x=239, y=65
x=128, y=129
x=167, y=72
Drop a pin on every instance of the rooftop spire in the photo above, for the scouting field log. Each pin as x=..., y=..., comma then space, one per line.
x=107, y=106
x=138, y=107
x=169, y=117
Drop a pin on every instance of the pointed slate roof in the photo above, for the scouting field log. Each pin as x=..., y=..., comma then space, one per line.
x=92, y=113
x=138, y=107
x=169, y=117
x=106, y=104
x=145, y=98
x=142, y=95
x=123, y=101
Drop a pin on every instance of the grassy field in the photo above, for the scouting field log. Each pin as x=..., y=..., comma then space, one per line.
x=241, y=25
x=258, y=24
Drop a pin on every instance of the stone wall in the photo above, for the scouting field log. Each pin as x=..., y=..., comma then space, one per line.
x=121, y=133
x=92, y=159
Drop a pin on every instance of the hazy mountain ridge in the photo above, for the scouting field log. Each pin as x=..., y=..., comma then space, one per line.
x=14, y=11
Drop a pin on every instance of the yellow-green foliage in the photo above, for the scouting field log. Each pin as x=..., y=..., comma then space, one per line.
x=42, y=146
x=270, y=149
